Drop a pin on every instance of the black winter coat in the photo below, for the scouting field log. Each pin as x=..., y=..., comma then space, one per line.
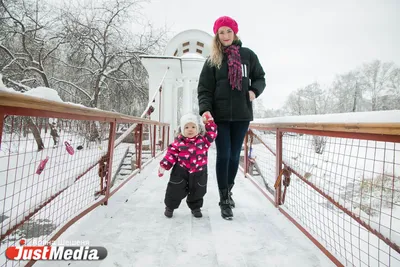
x=216, y=95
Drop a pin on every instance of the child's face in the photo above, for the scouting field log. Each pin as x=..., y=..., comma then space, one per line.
x=190, y=130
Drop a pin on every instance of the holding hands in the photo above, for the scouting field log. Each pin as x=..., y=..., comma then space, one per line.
x=207, y=117
x=161, y=171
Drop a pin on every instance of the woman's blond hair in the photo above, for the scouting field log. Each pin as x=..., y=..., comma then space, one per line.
x=217, y=54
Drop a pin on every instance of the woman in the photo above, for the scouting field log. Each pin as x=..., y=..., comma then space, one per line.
x=230, y=80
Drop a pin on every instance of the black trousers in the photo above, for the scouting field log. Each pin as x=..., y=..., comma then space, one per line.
x=229, y=144
x=182, y=183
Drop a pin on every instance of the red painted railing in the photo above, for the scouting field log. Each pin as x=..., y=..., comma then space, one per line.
x=60, y=161
x=338, y=183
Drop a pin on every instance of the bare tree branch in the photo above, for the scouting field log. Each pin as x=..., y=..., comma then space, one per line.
x=26, y=88
x=76, y=67
x=83, y=91
x=53, y=49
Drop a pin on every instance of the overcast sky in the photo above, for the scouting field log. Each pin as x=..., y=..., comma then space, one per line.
x=298, y=42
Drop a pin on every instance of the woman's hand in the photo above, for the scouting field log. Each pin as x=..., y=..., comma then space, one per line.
x=252, y=95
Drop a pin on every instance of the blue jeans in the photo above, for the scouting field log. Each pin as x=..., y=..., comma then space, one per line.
x=229, y=144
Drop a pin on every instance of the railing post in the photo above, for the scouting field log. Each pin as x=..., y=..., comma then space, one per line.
x=2, y=114
x=246, y=154
x=168, y=141
x=110, y=155
x=163, y=138
x=160, y=103
x=140, y=144
x=153, y=151
x=278, y=189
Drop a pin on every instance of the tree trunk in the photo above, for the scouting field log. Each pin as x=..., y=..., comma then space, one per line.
x=96, y=92
x=355, y=98
x=36, y=133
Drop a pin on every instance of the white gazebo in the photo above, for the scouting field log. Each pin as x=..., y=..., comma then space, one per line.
x=181, y=64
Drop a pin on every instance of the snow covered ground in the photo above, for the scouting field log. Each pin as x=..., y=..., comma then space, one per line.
x=136, y=233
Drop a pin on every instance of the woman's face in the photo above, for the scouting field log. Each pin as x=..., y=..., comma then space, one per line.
x=226, y=35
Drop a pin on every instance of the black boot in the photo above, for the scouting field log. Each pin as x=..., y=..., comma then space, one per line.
x=197, y=213
x=231, y=202
x=226, y=211
x=168, y=212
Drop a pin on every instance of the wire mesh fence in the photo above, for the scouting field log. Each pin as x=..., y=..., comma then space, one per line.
x=53, y=169
x=344, y=191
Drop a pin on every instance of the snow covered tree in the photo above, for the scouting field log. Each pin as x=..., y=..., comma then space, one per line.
x=104, y=55
x=258, y=108
x=376, y=77
x=394, y=88
x=347, y=93
x=293, y=105
x=89, y=53
x=374, y=86
x=306, y=101
x=27, y=43
x=28, y=40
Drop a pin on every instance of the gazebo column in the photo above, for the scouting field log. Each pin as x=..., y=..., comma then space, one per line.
x=187, y=96
x=170, y=106
x=180, y=65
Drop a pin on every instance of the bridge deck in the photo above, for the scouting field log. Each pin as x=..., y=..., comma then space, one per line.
x=136, y=233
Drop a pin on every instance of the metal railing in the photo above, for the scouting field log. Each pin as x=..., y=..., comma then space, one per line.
x=59, y=161
x=339, y=183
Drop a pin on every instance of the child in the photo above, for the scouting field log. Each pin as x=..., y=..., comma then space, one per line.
x=189, y=175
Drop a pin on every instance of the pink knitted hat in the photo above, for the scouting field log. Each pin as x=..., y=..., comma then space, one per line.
x=227, y=22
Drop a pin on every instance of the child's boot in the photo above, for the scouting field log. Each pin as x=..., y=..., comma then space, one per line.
x=197, y=213
x=168, y=212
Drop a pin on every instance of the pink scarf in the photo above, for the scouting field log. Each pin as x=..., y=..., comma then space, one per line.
x=234, y=66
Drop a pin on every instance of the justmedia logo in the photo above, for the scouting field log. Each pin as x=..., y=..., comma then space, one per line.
x=78, y=253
